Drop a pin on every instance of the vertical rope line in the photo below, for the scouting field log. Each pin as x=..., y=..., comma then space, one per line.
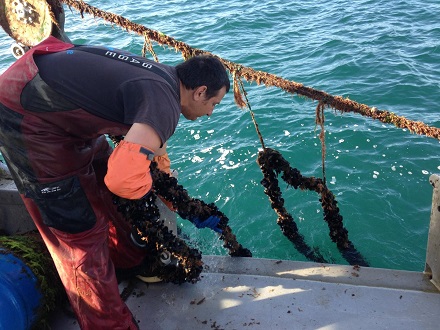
x=319, y=120
x=244, y=93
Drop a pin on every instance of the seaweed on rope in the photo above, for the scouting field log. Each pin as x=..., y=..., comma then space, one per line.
x=249, y=74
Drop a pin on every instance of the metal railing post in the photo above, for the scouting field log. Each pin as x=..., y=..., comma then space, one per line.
x=432, y=265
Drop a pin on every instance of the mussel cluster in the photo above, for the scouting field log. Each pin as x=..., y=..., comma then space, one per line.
x=272, y=164
x=145, y=217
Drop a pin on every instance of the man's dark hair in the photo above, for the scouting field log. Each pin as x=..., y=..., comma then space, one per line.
x=203, y=70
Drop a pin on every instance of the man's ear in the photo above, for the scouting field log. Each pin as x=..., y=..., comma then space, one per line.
x=199, y=93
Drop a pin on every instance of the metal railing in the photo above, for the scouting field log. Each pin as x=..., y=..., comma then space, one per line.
x=432, y=265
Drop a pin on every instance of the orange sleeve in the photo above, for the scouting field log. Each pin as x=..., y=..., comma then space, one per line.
x=163, y=163
x=128, y=174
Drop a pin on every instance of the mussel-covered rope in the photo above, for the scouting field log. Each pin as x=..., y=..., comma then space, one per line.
x=285, y=220
x=144, y=215
x=272, y=163
x=167, y=187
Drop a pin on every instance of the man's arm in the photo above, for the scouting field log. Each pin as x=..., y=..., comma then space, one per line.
x=145, y=135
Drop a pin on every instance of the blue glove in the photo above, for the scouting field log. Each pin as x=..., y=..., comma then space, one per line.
x=211, y=222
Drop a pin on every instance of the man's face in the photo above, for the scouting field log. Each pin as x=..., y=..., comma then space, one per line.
x=199, y=105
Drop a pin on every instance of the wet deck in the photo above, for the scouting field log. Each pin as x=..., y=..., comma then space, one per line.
x=250, y=293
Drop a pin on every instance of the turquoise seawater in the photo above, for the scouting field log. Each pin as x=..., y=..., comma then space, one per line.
x=382, y=53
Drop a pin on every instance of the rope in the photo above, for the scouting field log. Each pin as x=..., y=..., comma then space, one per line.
x=320, y=121
x=260, y=77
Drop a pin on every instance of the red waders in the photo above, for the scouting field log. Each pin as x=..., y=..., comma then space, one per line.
x=58, y=160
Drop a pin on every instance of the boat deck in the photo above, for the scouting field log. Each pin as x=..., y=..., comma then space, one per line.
x=251, y=293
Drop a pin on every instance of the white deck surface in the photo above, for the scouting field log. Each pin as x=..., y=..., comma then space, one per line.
x=250, y=293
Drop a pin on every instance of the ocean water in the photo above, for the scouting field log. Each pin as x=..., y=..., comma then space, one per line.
x=384, y=54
